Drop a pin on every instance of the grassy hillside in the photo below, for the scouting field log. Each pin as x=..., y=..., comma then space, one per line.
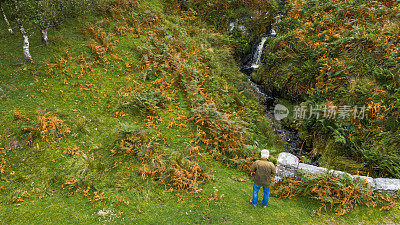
x=136, y=115
x=344, y=54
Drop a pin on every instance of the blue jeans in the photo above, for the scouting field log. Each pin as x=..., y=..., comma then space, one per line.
x=256, y=188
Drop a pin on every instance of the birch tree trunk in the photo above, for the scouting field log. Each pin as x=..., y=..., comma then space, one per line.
x=25, y=45
x=25, y=37
x=45, y=38
x=6, y=20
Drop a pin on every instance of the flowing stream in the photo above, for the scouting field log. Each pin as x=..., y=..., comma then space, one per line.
x=292, y=142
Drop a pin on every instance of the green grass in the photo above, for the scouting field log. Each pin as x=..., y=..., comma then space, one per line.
x=89, y=104
x=149, y=204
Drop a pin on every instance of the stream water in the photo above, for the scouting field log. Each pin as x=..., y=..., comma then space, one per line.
x=292, y=142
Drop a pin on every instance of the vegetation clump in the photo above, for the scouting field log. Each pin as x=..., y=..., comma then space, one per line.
x=46, y=127
x=341, y=54
x=172, y=168
x=334, y=193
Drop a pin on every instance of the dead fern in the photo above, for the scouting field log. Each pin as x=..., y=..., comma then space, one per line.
x=46, y=127
x=340, y=194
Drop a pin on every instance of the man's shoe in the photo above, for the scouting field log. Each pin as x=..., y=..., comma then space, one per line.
x=251, y=202
x=265, y=206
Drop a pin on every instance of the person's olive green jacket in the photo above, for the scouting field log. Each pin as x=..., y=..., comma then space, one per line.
x=264, y=172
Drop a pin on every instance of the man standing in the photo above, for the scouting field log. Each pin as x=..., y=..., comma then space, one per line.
x=264, y=171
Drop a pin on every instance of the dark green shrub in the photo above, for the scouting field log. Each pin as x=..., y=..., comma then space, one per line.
x=146, y=101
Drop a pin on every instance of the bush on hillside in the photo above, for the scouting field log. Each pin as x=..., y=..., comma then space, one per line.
x=175, y=170
x=334, y=193
x=47, y=127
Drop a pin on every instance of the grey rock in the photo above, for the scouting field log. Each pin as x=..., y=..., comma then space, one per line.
x=288, y=159
x=286, y=166
x=387, y=185
x=311, y=169
x=339, y=173
x=284, y=171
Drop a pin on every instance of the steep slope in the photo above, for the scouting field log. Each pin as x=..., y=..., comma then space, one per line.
x=134, y=115
x=158, y=93
x=339, y=59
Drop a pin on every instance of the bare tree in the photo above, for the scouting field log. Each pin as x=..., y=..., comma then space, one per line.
x=50, y=13
x=43, y=14
x=25, y=45
x=5, y=19
x=19, y=15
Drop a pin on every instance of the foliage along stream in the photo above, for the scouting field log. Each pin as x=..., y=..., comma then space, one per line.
x=292, y=142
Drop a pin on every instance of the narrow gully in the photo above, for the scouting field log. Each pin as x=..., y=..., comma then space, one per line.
x=292, y=142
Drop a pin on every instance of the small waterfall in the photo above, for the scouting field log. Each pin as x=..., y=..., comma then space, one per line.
x=256, y=61
x=293, y=143
x=257, y=53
